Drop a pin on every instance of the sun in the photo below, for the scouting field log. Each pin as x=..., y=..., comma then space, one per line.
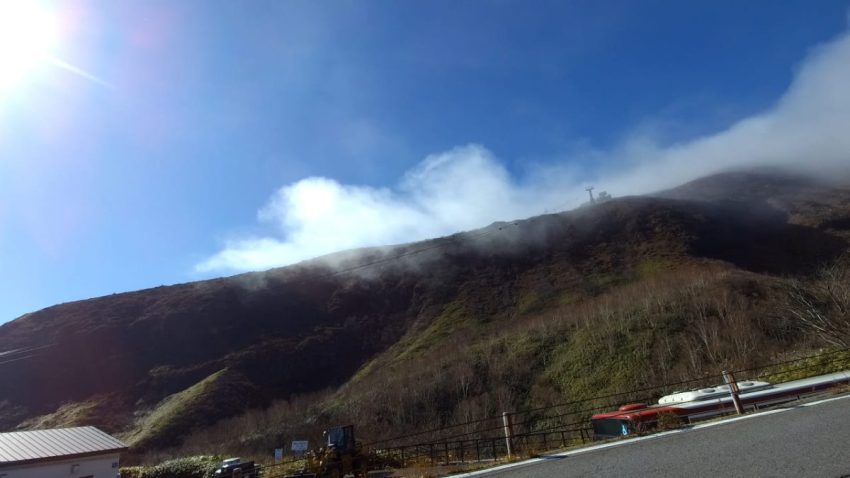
x=28, y=36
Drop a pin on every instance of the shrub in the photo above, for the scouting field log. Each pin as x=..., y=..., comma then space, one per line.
x=189, y=467
x=669, y=421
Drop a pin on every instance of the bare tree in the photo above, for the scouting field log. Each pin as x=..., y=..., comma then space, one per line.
x=603, y=196
x=823, y=306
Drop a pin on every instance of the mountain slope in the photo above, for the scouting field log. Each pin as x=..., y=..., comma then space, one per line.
x=141, y=362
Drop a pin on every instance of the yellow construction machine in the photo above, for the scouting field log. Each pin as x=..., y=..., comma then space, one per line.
x=341, y=455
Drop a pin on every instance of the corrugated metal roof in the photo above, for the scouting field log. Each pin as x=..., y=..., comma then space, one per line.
x=57, y=443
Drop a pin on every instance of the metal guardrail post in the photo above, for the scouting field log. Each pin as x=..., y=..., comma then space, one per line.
x=729, y=378
x=506, y=419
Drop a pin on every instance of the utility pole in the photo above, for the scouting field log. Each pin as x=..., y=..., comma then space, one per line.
x=589, y=190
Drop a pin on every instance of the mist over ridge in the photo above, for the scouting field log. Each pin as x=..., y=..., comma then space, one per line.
x=469, y=186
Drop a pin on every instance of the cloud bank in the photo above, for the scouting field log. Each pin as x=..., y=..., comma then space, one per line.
x=808, y=129
x=460, y=189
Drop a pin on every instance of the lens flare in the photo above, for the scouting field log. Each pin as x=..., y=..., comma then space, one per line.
x=28, y=35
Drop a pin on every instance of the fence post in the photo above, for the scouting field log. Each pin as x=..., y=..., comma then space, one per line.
x=509, y=433
x=729, y=378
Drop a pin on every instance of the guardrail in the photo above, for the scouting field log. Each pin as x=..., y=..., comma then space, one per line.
x=537, y=430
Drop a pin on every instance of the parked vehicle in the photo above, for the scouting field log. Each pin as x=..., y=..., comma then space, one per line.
x=236, y=468
x=695, y=405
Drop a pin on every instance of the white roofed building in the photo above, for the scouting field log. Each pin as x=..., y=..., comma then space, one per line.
x=81, y=452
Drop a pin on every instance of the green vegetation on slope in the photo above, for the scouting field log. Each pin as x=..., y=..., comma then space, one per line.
x=221, y=394
x=452, y=319
x=835, y=361
x=96, y=411
x=599, y=360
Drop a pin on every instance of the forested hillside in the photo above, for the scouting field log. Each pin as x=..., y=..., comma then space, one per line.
x=629, y=292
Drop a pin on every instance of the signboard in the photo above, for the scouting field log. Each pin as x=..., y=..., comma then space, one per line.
x=278, y=454
x=300, y=446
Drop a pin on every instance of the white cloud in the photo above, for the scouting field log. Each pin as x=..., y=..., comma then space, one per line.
x=808, y=129
x=460, y=189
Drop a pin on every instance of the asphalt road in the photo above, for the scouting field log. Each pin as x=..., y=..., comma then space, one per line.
x=801, y=441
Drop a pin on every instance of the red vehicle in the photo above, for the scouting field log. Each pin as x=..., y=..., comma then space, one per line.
x=695, y=405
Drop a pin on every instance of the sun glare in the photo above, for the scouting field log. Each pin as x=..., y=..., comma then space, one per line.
x=28, y=34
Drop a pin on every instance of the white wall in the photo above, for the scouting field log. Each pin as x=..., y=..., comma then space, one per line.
x=95, y=466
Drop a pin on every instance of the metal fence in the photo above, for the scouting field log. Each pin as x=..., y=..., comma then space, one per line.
x=484, y=449
x=535, y=431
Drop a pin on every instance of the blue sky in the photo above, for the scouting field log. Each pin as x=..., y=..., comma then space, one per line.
x=164, y=142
